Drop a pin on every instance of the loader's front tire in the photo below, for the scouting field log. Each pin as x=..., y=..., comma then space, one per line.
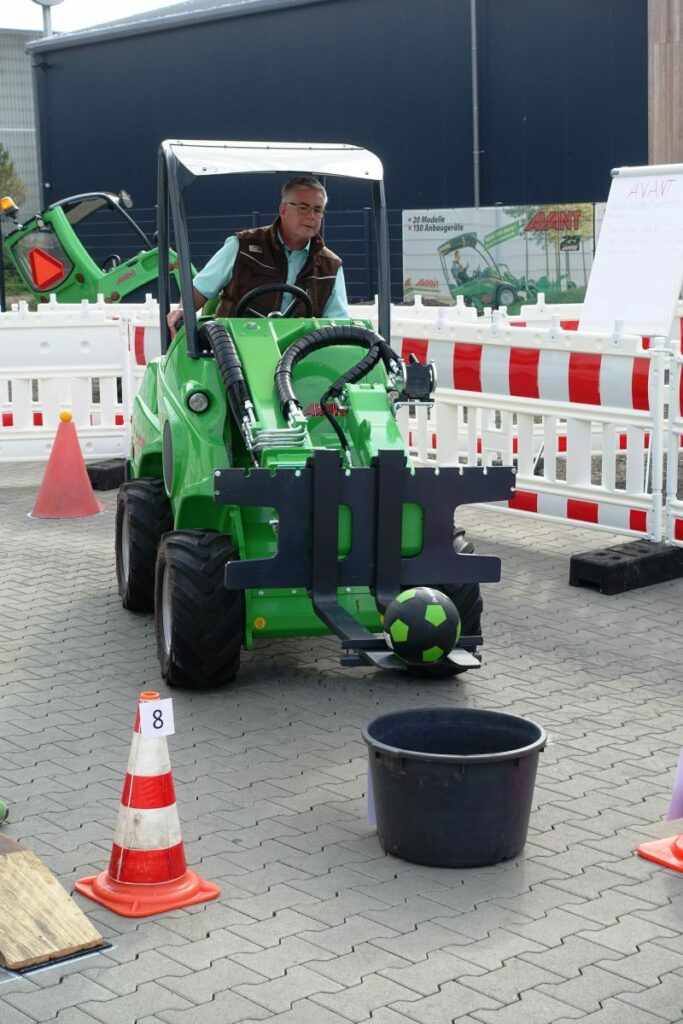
x=199, y=623
x=465, y=596
x=467, y=599
x=143, y=514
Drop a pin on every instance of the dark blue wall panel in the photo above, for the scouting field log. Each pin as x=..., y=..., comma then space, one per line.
x=563, y=91
x=563, y=99
x=378, y=73
x=563, y=96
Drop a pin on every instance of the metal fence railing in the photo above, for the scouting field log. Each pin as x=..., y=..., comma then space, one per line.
x=349, y=233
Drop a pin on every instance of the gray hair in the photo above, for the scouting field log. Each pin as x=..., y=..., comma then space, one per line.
x=302, y=181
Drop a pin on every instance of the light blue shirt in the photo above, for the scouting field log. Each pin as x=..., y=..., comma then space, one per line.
x=218, y=273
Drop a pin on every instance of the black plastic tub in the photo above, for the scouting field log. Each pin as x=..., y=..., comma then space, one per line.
x=453, y=787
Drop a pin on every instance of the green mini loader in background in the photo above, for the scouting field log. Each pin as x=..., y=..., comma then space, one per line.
x=63, y=251
x=270, y=492
x=470, y=270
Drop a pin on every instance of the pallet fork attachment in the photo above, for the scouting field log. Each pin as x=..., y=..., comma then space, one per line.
x=307, y=501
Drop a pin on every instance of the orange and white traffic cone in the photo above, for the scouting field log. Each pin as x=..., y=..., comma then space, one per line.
x=147, y=872
x=66, y=491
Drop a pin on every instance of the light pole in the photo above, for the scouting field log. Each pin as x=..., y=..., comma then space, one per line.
x=47, y=15
x=8, y=208
x=475, y=101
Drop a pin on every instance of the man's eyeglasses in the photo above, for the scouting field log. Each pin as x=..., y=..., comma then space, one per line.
x=306, y=208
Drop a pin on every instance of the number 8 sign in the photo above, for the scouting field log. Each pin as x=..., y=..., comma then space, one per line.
x=156, y=718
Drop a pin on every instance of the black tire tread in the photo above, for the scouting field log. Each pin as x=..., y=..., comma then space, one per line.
x=465, y=596
x=208, y=619
x=467, y=599
x=149, y=512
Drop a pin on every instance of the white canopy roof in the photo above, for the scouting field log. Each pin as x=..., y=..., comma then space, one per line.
x=200, y=157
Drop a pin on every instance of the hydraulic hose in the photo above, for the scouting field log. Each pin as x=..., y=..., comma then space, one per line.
x=346, y=334
x=216, y=336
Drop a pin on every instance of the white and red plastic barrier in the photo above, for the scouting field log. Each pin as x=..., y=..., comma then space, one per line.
x=516, y=394
x=547, y=398
x=88, y=358
x=674, y=478
x=69, y=359
x=567, y=316
x=112, y=310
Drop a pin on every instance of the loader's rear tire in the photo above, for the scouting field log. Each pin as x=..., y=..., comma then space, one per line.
x=505, y=296
x=199, y=623
x=143, y=514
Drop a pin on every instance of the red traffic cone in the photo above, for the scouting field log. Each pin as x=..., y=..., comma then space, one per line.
x=147, y=872
x=66, y=491
x=667, y=852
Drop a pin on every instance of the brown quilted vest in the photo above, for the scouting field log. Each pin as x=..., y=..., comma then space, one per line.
x=262, y=260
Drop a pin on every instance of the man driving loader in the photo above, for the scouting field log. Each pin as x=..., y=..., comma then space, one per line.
x=288, y=251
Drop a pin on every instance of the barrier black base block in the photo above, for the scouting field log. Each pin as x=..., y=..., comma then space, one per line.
x=106, y=475
x=626, y=566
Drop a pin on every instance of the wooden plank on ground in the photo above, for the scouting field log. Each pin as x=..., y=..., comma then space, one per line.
x=38, y=919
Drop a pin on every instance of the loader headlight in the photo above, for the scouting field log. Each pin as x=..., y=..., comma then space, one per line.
x=198, y=401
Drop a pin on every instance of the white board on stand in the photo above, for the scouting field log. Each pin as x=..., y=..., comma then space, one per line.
x=637, y=271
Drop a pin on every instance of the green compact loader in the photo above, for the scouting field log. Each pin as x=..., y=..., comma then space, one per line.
x=65, y=250
x=470, y=270
x=270, y=492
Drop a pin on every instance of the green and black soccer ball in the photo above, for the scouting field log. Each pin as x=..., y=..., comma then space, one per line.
x=422, y=626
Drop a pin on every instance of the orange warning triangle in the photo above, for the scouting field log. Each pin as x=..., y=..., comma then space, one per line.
x=46, y=270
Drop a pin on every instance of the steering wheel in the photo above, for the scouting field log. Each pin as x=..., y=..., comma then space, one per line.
x=111, y=262
x=299, y=296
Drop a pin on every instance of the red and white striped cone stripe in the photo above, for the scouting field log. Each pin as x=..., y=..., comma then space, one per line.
x=585, y=378
x=147, y=870
x=147, y=846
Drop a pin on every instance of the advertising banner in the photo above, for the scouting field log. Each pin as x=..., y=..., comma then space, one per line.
x=499, y=255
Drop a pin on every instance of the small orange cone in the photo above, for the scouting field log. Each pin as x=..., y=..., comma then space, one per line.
x=147, y=872
x=66, y=491
x=667, y=852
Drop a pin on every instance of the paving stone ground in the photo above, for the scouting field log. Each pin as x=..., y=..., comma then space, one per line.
x=315, y=923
